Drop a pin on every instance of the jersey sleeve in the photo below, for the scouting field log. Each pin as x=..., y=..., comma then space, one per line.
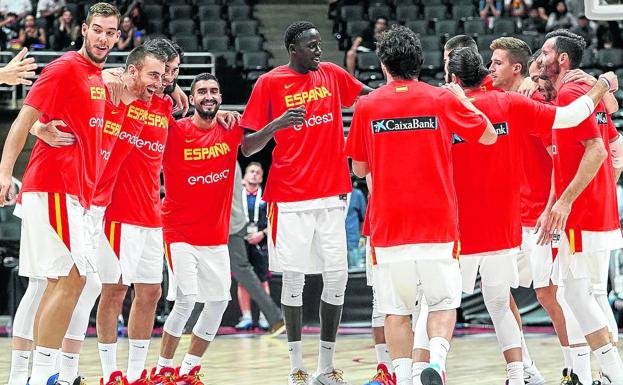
x=527, y=114
x=350, y=88
x=588, y=129
x=356, y=143
x=257, y=113
x=459, y=119
x=51, y=89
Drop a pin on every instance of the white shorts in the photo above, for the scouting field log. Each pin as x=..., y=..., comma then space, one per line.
x=307, y=237
x=535, y=263
x=94, y=224
x=496, y=268
x=198, y=270
x=130, y=254
x=53, y=236
x=397, y=284
x=600, y=286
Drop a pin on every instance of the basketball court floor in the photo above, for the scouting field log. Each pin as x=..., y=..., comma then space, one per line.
x=251, y=359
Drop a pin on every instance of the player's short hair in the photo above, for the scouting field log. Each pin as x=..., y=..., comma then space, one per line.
x=103, y=9
x=518, y=51
x=460, y=41
x=400, y=50
x=203, y=76
x=165, y=45
x=138, y=54
x=570, y=43
x=534, y=57
x=256, y=164
x=466, y=63
x=295, y=30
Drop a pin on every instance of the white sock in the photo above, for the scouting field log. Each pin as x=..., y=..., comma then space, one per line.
x=382, y=356
x=108, y=359
x=325, y=356
x=69, y=367
x=188, y=363
x=418, y=367
x=43, y=365
x=246, y=315
x=137, y=355
x=403, y=367
x=610, y=363
x=295, y=351
x=19, y=367
x=514, y=372
x=57, y=364
x=439, y=348
x=581, y=363
x=164, y=363
x=525, y=354
x=566, y=355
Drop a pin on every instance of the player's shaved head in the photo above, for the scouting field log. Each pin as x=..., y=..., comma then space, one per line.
x=295, y=30
x=460, y=41
x=137, y=55
x=466, y=64
x=104, y=10
x=518, y=51
x=400, y=51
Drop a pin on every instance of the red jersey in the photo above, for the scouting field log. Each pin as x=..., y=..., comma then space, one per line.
x=121, y=128
x=595, y=209
x=487, y=177
x=70, y=89
x=536, y=173
x=308, y=161
x=404, y=132
x=199, y=172
x=136, y=195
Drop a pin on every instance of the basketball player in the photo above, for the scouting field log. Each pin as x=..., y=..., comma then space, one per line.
x=18, y=70
x=494, y=254
x=59, y=182
x=585, y=210
x=307, y=186
x=422, y=249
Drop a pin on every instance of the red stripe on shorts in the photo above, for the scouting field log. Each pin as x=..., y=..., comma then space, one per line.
x=112, y=230
x=167, y=255
x=272, y=216
x=57, y=213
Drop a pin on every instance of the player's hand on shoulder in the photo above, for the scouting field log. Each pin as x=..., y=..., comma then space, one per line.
x=579, y=76
x=50, y=134
x=228, y=119
x=292, y=117
x=527, y=87
x=455, y=89
x=114, y=82
x=180, y=99
x=18, y=70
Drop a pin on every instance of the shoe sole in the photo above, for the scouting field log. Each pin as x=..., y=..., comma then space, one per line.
x=535, y=383
x=430, y=376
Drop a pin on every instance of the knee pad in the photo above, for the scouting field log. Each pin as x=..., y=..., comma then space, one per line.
x=24, y=320
x=209, y=320
x=292, y=288
x=583, y=305
x=82, y=312
x=378, y=318
x=602, y=301
x=182, y=309
x=574, y=332
x=334, y=287
x=497, y=301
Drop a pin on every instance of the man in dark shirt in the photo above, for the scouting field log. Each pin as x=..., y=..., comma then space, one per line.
x=365, y=42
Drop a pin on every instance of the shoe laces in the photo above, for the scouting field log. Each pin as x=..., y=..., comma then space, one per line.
x=195, y=379
x=380, y=376
x=300, y=377
x=168, y=379
x=337, y=375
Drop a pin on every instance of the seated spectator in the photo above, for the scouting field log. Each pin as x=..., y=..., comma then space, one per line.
x=66, y=32
x=130, y=36
x=489, y=10
x=136, y=14
x=586, y=30
x=516, y=8
x=30, y=35
x=20, y=8
x=543, y=8
x=560, y=18
x=9, y=29
x=49, y=10
x=365, y=42
x=534, y=22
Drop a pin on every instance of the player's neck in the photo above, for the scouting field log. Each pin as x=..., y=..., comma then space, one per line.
x=203, y=124
x=297, y=68
x=83, y=53
x=558, y=81
x=130, y=92
x=252, y=187
x=516, y=84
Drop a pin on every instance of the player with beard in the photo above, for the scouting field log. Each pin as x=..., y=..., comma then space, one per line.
x=300, y=105
x=59, y=182
x=584, y=214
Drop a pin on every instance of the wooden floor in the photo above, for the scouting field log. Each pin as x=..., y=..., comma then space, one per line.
x=261, y=360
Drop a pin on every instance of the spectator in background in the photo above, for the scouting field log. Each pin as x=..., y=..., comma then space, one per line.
x=30, y=35
x=560, y=18
x=20, y=8
x=516, y=8
x=9, y=29
x=543, y=8
x=534, y=22
x=130, y=36
x=135, y=11
x=66, y=32
x=586, y=30
x=49, y=10
x=354, y=219
x=365, y=42
x=490, y=10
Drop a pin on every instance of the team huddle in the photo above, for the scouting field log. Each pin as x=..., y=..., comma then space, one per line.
x=520, y=189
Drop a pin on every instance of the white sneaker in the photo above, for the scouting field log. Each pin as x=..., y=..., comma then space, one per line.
x=299, y=377
x=532, y=376
x=334, y=377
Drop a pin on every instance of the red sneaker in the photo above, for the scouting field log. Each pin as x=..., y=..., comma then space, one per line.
x=116, y=378
x=167, y=376
x=382, y=376
x=193, y=377
x=145, y=379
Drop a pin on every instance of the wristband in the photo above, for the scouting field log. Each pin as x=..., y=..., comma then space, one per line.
x=603, y=78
